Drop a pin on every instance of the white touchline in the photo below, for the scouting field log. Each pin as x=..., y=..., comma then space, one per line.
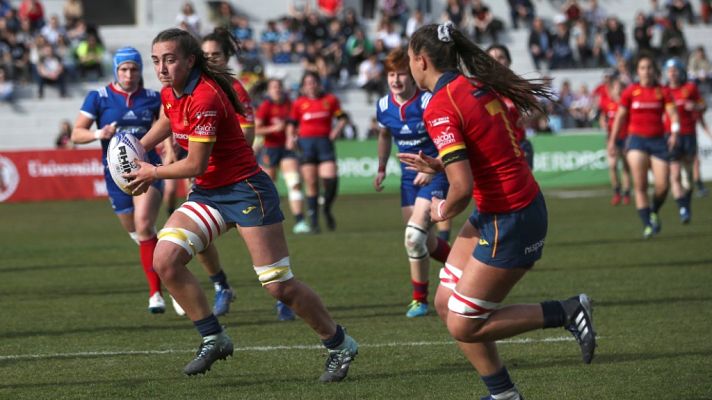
x=265, y=348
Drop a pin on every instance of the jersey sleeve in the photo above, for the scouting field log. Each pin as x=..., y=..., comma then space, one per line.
x=443, y=125
x=626, y=97
x=336, y=110
x=204, y=119
x=247, y=120
x=262, y=112
x=90, y=107
x=295, y=114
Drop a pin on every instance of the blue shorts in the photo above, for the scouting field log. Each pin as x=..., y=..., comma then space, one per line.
x=409, y=192
x=511, y=240
x=686, y=147
x=250, y=202
x=121, y=202
x=528, y=150
x=270, y=157
x=656, y=147
x=316, y=150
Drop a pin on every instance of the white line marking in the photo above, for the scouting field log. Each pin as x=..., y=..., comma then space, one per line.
x=263, y=348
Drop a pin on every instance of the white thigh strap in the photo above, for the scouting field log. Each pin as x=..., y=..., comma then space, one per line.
x=470, y=307
x=209, y=220
x=276, y=272
x=184, y=238
x=449, y=276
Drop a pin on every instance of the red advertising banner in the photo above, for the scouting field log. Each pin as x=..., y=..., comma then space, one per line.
x=37, y=175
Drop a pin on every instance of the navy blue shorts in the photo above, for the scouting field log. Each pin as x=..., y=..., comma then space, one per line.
x=121, y=202
x=270, y=157
x=686, y=147
x=437, y=187
x=656, y=147
x=250, y=202
x=316, y=150
x=511, y=240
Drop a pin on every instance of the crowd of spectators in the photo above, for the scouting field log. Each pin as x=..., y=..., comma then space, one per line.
x=50, y=50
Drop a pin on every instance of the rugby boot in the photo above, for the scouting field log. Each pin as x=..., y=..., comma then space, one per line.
x=339, y=360
x=416, y=309
x=223, y=298
x=655, y=223
x=685, y=215
x=284, y=313
x=579, y=321
x=213, y=348
x=156, y=304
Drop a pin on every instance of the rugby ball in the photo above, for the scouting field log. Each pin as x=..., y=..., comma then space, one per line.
x=123, y=149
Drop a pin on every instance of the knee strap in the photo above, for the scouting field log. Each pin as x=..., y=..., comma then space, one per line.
x=276, y=272
x=416, y=241
x=449, y=276
x=470, y=307
x=184, y=238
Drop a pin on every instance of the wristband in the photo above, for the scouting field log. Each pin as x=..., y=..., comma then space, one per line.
x=381, y=168
x=675, y=127
x=155, y=172
x=440, y=209
x=98, y=133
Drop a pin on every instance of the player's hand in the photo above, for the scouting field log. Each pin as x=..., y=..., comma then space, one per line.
x=690, y=106
x=437, y=210
x=106, y=132
x=672, y=141
x=421, y=162
x=291, y=143
x=611, y=148
x=378, y=181
x=422, y=179
x=142, y=178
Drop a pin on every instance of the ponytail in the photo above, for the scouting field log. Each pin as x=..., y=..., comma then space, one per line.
x=449, y=50
x=188, y=45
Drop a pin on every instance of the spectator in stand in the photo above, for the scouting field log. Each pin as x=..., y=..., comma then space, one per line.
x=12, y=22
x=643, y=33
x=25, y=34
x=53, y=30
x=299, y=8
x=582, y=41
x=225, y=15
x=416, y=20
x=189, y=18
x=32, y=11
x=624, y=73
x=521, y=10
x=64, y=137
x=5, y=6
x=595, y=15
x=370, y=77
x=269, y=39
x=396, y=11
x=386, y=32
x=673, y=41
x=706, y=11
x=243, y=30
x=283, y=54
x=50, y=70
x=485, y=22
x=330, y=8
x=19, y=59
x=455, y=13
x=679, y=9
x=65, y=52
x=540, y=43
x=572, y=11
x=658, y=14
x=582, y=108
x=598, y=53
x=314, y=29
x=77, y=33
x=357, y=48
x=562, y=54
x=73, y=11
x=699, y=69
x=350, y=23
x=615, y=39
x=7, y=88
x=90, y=55
x=565, y=100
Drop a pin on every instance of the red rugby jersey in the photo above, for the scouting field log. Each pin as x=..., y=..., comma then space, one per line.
x=464, y=115
x=270, y=111
x=247, y=120
x=646, y=106
x=314, y=116
x=609, y=108
x=688, y=119
x=204, y=114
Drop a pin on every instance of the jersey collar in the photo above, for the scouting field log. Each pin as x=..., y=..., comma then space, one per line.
x=445, y=78
x=193, y=79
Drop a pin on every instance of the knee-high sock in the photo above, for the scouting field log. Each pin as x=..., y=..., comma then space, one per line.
x=331, y=187
x=146, y=248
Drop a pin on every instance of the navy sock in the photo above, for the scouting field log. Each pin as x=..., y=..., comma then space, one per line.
x=220, y=281
x=444, y=235
x=617, y=190
x=208, y=326
x=498, y=382
x=644, y=214
x=658, y=202
x=299, y=217
x=554, y=314
x=331, y=187
x=680, y=202
x=312, y=206
x=700, y=185
x=336, y=340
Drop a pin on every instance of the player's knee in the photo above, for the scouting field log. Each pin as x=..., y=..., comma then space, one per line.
x=274, y=273
x=416, y=241
x=470, y=314
x=292, y=179
x=183, y=238
x=295, y=194
x=465, y=330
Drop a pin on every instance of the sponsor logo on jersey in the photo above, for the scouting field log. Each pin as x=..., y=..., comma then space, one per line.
x=201, y=114
x=167, y=106
x=130, y=115
x=645, y=105
x=439, y=121
x=205, y=130
x=413, y=142
x=147, y=115
x=180, y=136
x=9, y=178
x=445, y=138
x=405, y=130
x=315, y=115
x=248, y=210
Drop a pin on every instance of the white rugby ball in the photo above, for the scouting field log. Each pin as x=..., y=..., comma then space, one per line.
x=123, y=149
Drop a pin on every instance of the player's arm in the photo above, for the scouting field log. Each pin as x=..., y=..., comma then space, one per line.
x=160, y=131
x=620, y=119
x=249, y=132
x=384, y=152
x=262, y=129
x=459, y=175
x=292, y=134
x=671, y=111
x=82, y=133
x=342, y=120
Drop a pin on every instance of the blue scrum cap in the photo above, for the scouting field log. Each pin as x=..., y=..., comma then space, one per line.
x=677, y=64
x=127, y=54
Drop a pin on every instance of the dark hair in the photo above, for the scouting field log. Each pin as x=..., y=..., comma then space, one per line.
x=645, y=55
x=189, y=46
x=501, y=48
x=314, y=75
x=461, y=54
x=229, y=44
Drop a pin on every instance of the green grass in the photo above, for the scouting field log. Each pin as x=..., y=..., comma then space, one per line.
x=73, y=323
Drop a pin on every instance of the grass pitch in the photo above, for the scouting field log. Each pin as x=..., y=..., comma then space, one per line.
x=74, y=325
